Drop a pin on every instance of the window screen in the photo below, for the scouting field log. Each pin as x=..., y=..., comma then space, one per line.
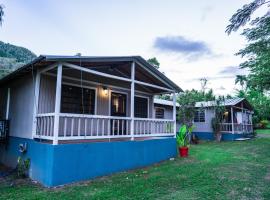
x=159, y=113
x=141, y=107
x=77, y=100
x=199, y=115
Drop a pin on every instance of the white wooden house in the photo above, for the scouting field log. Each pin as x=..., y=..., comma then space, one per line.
x=74, y=105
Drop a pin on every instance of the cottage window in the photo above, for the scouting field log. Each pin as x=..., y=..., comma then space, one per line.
x=199, y=115
x=159, y=112
x=141, y=107
x=77, y=100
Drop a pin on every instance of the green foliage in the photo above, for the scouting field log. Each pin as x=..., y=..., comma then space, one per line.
x=187, y=102
x=181, y=136
x=23, y=167
x=257, y=52
x=13, y=57
x=243, y=15
x=263, y=123
x=219, y=110
x=259, y=101
x=153, y=61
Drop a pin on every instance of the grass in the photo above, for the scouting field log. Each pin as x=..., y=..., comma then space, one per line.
x=229, y=170
x=262, y=131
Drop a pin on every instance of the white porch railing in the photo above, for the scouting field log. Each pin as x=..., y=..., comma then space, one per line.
x=79, y=126
x=153, y=127
x=45, y=125
x=237, y=128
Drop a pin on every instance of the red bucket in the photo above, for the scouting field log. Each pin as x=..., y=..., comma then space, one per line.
x=183, y=151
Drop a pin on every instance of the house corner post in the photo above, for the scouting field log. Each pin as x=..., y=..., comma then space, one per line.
x=232, y=120
x=57, y=103
x=132, y=96
x=36, y=102
x=8, y=103
x=174, y=114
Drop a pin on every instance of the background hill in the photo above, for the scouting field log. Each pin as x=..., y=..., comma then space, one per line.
x=13, y=57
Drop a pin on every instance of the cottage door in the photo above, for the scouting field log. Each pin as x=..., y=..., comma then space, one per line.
x=118, y=109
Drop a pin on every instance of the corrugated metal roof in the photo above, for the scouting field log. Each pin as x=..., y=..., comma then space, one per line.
x=226, y=102
x=165, y=102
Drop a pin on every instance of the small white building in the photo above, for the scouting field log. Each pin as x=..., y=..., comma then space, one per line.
x=237, y=121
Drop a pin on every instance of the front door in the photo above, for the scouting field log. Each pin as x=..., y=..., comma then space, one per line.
x=118, y=109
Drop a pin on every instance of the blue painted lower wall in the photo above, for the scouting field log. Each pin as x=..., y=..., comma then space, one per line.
x=225, y=136
x=54, y=165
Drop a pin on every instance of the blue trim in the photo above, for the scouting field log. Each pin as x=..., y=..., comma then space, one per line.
x=54, y=165
x=204, y=135
x=225, y=136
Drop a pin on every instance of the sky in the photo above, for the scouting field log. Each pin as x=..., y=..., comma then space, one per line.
x=187, y=37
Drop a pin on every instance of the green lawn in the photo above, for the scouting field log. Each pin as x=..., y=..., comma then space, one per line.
x=262, y=131
x=229, y=170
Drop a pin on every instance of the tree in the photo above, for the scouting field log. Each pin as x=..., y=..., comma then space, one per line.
x=241, y=79
x=259, y=101
x=1, y=14
x=257, y=51
x=154, y=62
x=217, y=120
x=187, y=102
x=243, y=15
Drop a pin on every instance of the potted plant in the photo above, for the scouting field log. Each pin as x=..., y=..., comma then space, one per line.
x=183, y=139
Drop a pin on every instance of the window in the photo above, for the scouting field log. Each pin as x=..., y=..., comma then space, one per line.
x=141, y=107
x=159, y=112
x=199, y=115
x=77, y=100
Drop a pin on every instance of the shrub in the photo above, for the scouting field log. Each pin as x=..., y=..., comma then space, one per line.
x=264, y=123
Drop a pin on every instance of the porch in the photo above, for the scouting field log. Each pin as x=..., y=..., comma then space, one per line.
x=237, y=119
x=99, y=99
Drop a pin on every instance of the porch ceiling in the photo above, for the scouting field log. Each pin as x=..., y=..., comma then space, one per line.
x=119, y=66
x=76, y=76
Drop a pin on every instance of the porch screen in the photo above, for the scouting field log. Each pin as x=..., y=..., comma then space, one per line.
x=199, y=115
x=141, y=107
x=77, y=100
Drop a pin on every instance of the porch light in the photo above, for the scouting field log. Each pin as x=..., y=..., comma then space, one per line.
x=226, y=113
x=105, y=91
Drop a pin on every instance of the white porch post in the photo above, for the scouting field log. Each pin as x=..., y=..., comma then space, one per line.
x=242, y=110
x=174, y=114
x=57, y=104
x=36, y=100
x=132, y=96
x=8, y=102
x=232, y=120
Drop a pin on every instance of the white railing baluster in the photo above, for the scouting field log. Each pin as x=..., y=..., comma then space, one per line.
x=113, y=127
x=65, y=126
x=97, y=126
x=85, y=126
x=118, y=127
x=91, y=128
x=72, y=126
x=122, y=123
x=79, y=126
x=103, y=124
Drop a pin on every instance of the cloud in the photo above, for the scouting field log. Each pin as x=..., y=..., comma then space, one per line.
x=232, y=70
x=182, y=45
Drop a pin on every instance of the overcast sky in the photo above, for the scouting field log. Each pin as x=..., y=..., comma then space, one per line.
x=187, y=37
